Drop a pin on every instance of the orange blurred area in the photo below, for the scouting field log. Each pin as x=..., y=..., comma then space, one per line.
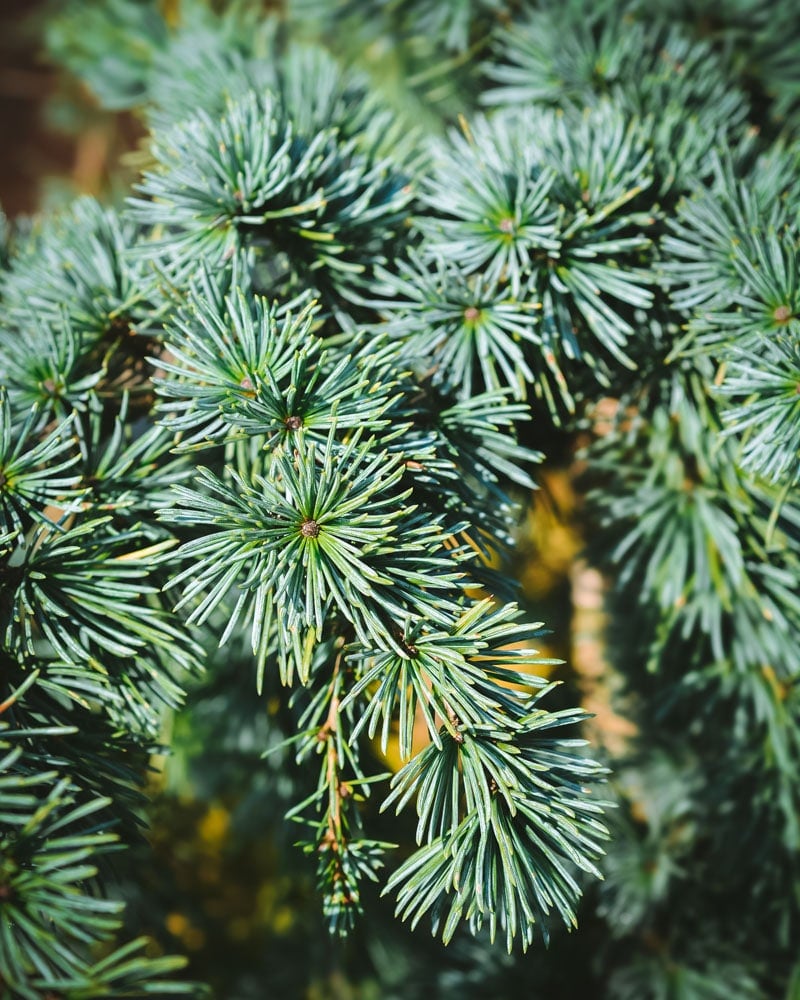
x=57, y=141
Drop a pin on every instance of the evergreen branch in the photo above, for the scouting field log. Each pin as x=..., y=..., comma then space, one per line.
x=31, y=476
x=506, y=856
x=344, y=855
x=49, y=843
x=261, y=371
x=328, y=529
x=318, y=199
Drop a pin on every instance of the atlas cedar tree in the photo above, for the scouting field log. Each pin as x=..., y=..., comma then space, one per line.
x=288, y=392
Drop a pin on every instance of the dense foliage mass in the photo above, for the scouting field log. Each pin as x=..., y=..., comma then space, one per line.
x=382, y=260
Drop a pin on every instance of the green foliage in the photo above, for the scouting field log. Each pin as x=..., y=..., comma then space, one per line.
x=518, y=785
x=349, y=322
x=677, y=87
x=48, y=877
x=112, y=45
x=273, y=380
x=548, y=223
x=326, y=210
x=765, y=408
x=31, y=475
x=78, y=268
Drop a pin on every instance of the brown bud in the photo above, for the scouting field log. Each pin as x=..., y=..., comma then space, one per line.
x=309, y=528
x=782, y=314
